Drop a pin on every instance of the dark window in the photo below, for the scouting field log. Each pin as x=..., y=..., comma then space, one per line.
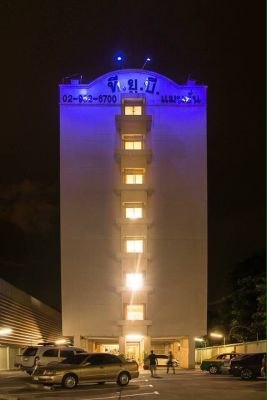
x=51, y=353
x=66, y=353
x=110, y=359
x=96, y=359
x=30, y=351
x=76, y=359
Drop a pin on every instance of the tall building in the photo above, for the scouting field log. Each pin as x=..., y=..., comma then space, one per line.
x=134, y=213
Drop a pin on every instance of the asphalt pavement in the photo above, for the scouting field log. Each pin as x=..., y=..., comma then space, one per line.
x=184, y=385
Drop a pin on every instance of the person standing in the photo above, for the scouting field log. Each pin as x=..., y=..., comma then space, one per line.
x=152, y=363
x=170, y=363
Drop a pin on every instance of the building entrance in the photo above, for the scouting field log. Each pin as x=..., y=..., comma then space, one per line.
x=108, y=348
x=133, y=351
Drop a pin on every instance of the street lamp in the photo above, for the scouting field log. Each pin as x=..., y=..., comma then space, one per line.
x=218, y=335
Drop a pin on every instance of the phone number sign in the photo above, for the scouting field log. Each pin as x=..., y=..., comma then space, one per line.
x=111, y=88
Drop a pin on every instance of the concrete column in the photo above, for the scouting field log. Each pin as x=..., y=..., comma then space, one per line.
x=147, y=344
x=122, y=345
x=191, y=356
x=187, y=352
x=90, y=345
x=77, y=340
x=7, y=358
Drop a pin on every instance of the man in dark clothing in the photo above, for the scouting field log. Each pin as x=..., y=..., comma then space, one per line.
x=152, y=363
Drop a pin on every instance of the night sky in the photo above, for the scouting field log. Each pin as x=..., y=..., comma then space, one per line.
x=217, y=43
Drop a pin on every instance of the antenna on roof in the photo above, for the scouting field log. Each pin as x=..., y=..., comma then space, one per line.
x=72, y=76
x=147, y=60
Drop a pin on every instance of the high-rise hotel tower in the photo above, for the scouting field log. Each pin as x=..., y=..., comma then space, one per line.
x=134, y=214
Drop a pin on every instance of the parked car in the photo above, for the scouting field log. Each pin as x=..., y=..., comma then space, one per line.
x=162, y=361
x=248, y=367
x=43, y=355
x=93, y=367
x=215, y=364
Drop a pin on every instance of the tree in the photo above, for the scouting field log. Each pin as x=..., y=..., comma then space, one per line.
x=242, y=312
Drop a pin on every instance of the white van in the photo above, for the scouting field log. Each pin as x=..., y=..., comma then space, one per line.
x=43, y=355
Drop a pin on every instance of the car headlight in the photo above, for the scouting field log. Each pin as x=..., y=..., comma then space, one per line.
x=49, y=372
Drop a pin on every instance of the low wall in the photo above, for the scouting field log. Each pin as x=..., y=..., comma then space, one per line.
x=258, y=346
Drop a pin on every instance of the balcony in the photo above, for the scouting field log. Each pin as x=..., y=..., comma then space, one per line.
x=132, y=256
x=133, y=188
x=133, y=122
x=129, y=221
x=134, y=324
x=145, y=288
x=134, y=155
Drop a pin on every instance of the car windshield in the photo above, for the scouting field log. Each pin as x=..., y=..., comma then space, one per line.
x=76, y=359
x=30, y=351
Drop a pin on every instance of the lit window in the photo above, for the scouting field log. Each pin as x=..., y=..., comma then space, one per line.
x=134, y=176
x=133, y=142
x=134, y=179
x=135, y=312
x=133, y=212
x=132, y=145
x=133, y=110
x=134, y=281
x=134, y=245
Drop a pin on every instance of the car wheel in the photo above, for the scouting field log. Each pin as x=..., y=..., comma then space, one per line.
x=69, y=381
x=213, y=369
x=123, y=379
x=247, y=374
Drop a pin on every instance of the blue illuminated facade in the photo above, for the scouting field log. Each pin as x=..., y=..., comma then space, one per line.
x=134, y=213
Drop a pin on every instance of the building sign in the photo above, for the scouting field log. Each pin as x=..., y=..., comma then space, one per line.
x=111, y=88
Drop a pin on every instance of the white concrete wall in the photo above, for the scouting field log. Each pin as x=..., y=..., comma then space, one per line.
x=89, y=236
x=177, y=208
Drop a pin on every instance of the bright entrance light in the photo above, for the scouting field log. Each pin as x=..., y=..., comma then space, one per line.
x=134, y=337
x=134, y=281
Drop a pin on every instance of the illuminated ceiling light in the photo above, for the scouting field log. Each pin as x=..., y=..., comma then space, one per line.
x=134, y=281
x=5, y=331
x=134, y=337
x=199, y=339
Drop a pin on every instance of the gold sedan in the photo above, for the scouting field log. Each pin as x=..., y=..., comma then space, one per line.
x=93, y=367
